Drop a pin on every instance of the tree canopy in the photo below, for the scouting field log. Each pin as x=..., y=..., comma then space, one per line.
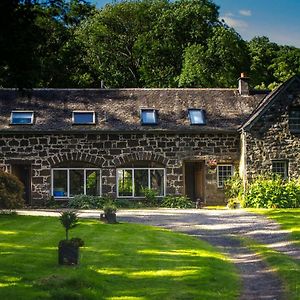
x=141, y=43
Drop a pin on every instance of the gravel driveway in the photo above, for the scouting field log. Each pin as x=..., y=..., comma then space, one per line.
x=221, y=229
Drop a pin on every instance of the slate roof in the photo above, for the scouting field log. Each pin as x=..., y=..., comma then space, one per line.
x=267, y=102
x=119, y=109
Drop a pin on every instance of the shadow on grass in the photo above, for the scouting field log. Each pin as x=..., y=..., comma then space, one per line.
x=123, y=261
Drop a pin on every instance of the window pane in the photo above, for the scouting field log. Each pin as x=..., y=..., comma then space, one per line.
x=224, y=172
x=22, y=117
x=93, y=182
x=60, y=185
x=125, y=183
x=76, y=182
x=149, y=117
x=140, y=182
x=197, y=116
x=157, y=181
x=294, y=119
x=83, y=117
x=280, y=168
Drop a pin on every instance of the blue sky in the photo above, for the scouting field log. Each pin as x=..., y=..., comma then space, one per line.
x=277, y=19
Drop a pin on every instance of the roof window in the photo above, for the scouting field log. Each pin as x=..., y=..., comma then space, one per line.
x=21, y=117
x=83, y=117
x=197, y=116
x=149, y=116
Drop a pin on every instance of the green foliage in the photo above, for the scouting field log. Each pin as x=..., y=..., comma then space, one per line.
x=233, y=188
x=11, y=191
x=109, y=207
x=87, y=202
x=177, y=202
x=151, y=197
x=69, y=220
x=76, y=242
x=273, y=193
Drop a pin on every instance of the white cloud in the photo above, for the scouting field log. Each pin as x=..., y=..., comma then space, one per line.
x=235, y=23
x=245, y=12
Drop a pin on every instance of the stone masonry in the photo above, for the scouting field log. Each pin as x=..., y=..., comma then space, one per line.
x=110, y=151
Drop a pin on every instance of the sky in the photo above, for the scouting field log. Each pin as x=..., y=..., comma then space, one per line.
x=279, y=20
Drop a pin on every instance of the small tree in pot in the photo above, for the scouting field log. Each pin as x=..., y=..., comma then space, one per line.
x=109, y=215
x=68, y=250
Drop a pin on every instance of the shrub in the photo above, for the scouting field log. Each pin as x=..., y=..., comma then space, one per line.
x=109, y=208
x=87, y=202
x=11, y=191
x=69, y=220
x=177, y=202
x=233, y=188
x=151, y=198
x=273, y=193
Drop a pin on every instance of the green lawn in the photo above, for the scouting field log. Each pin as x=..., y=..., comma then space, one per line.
x=289, y=219
x=122, y=261
x=287, y=268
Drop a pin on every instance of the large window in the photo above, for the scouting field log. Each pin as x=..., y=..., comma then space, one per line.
x=280, y=167
x=21, y=117
x=68, y=182
x=224, y=172
x=131, y=182
x=294, y=119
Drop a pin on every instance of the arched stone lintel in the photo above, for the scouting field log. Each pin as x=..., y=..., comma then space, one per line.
x=61, y=158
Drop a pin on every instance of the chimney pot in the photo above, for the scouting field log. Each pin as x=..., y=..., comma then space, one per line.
x=244, y=88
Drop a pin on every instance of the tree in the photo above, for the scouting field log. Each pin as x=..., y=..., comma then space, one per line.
x=218, y=64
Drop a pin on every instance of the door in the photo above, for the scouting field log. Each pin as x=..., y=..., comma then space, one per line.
x=23, y=172
x=194, y=180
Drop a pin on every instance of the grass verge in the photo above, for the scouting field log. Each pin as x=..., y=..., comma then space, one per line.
x=287, y=268
x=289, y=219
x=122, y=261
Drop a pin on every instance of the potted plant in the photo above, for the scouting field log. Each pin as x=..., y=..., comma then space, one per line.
x=109, y=215
x=68, y=249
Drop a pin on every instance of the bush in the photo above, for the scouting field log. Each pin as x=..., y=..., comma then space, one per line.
x=87, y=202
x=233, y=188
x=273, y=193
x=151, y=199
x=11, y=191
x=177, y=202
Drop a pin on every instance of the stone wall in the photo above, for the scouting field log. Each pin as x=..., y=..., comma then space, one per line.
x=109, y=151
x=270, y=137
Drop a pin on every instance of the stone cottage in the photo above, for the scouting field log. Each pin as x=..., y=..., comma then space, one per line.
x=64, y=142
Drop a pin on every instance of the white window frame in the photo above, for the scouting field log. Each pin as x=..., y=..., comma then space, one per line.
x=286, y=167
x=221, y=186
x=68, y=181
x=133, y=187
x=83, y=112
x=22, y=111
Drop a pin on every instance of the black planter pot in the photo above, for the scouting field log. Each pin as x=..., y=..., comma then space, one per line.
x=110, y=218
x=68, y=254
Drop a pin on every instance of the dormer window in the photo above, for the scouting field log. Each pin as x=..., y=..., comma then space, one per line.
x=21, y=117
x=294, y=119
x=197, y=116
x=83, y=117
x=149, y=116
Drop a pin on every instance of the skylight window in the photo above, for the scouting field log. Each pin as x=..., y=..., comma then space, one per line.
x=149, y=117
x=197, y=116
x=83, y=117
x=21, y=117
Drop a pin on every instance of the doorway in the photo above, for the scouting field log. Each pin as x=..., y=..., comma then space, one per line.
x=194, y=180
x=23, y=172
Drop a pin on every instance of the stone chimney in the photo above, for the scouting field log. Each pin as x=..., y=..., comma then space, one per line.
x=244, y=89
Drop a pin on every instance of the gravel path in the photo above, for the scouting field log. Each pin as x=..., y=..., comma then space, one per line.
x=220, y=228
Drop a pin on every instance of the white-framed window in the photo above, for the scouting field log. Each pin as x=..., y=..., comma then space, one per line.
x=197, y=116
x=149, y=116
x=68, y=182
x=280, y=167
x=83, y=117
x=223, y=172
x=18, y=117
x=131, y=182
